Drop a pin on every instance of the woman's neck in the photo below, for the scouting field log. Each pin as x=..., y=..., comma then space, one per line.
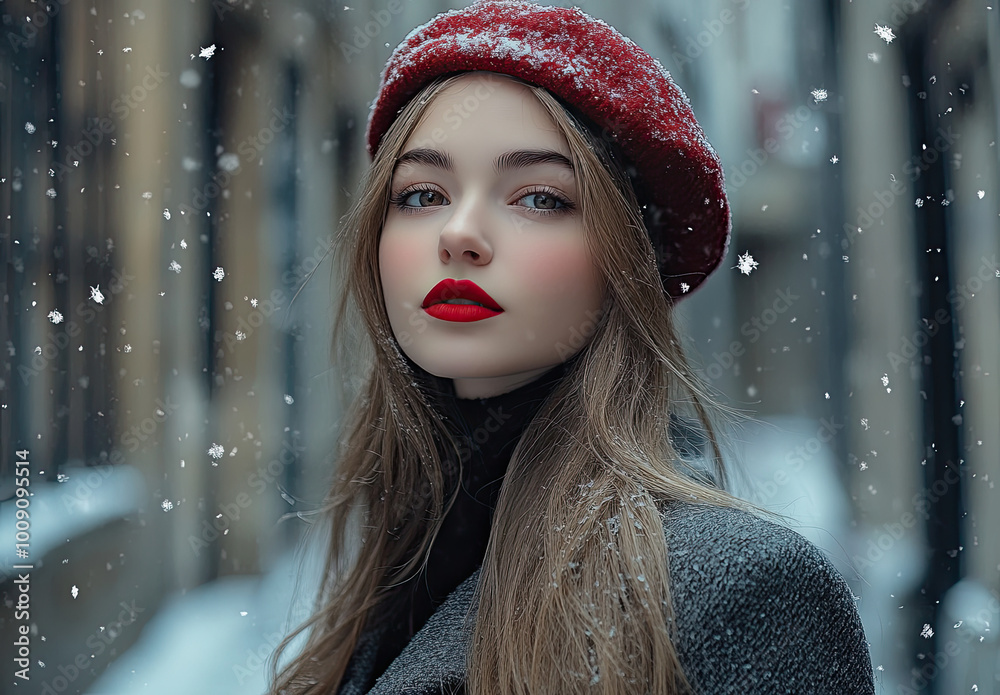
x=488, y=387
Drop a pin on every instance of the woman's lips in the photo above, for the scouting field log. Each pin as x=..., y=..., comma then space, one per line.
x=437, y=302
x=460, y=312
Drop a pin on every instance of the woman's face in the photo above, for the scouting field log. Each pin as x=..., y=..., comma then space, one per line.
x=484, y=191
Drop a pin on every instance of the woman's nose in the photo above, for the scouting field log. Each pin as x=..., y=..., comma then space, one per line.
x=464, y=235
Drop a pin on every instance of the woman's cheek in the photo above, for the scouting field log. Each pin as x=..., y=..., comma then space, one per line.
x=398, y=260
x=560, y=271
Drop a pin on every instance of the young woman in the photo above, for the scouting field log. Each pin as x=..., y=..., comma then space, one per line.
x=517, y=507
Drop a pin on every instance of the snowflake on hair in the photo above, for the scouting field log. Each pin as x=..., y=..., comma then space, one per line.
x=746, y=263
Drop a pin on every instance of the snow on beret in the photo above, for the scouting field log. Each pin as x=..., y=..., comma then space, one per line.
x=626, y=92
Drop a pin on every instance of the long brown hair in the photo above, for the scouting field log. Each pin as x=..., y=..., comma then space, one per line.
x=574, y=593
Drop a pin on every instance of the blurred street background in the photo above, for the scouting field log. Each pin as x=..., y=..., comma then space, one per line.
x=172, y=172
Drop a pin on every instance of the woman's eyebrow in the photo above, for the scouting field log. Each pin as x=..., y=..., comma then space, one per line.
x=518, y=159
x=514, y=159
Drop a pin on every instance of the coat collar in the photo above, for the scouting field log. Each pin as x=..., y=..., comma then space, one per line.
x=434, y=660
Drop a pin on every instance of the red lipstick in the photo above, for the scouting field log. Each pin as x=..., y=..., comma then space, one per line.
x=437, y=302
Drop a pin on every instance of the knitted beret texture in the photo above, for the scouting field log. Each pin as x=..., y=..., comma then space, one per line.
x=623, y=90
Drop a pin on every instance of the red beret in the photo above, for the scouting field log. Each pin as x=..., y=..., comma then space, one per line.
x=627, y=94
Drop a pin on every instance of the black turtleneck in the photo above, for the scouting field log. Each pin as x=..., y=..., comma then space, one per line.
x=486, y=431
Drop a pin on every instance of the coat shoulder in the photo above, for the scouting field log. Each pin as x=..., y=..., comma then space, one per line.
x=760, y=609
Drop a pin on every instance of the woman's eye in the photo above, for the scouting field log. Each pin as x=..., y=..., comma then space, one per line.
x=423, y=199
x=543, y=201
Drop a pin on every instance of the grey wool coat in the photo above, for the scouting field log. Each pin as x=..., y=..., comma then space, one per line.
x=759, y=610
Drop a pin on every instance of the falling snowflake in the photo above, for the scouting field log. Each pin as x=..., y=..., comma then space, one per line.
x=874, y=57
x=864, y=422
x=819, y=95
x=927, y=632
x=684, y=288
x=229, y=161
x=166, y=213
x=919, y=202
x=167, y=505
x=127, y=49
x=147, y=195
x=885, y=382
x=746, y=263
x=55, y=316
x=981, y=194
x=216, y=451
x=174, y=266
x=219, y=274
x=96, y=294
x=62, y=478
x=240, y=335
x=834, y=159
x=29, y=127
x=207, y=53
x=128, y=347
x=253, y=302
x=184, y=244
x=288, y=399
x=74, y=592
x=884, y=33
x=51, y=193
x=863, y=466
